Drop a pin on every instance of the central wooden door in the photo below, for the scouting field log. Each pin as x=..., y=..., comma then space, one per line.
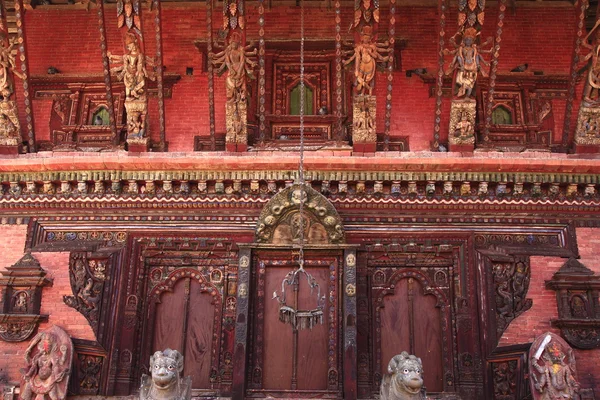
x=285, y=362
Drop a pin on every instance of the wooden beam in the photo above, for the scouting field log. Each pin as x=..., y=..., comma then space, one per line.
x=19, y=14
x=210, y=75
x=442, y=10
x=489, y=104
x=106, y=71
x=390, y=77
x=156, y=4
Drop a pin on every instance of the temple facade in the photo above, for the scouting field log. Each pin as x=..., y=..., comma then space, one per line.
x=292, y=194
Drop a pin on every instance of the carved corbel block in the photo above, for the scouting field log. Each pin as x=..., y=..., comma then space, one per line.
x=461, y=135
x=577, y=295
x=21, y=286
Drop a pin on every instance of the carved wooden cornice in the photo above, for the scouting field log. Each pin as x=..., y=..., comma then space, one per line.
x=47, y=86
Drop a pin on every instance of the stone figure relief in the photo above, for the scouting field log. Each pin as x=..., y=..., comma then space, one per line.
x=165, y=382
x=48, y=358
x=404, y=380
x=552, y=366
x=467, y=62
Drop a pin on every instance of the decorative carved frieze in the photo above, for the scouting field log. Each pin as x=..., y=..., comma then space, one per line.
x=578, y=298
x=21, y=286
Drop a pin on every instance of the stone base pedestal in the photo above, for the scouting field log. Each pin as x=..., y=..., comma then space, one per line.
x=138, y=145
x=364, y=133
x=6, y=149
x=236, y=147
x=587, y=133
x=461, y=135
x=236, y=122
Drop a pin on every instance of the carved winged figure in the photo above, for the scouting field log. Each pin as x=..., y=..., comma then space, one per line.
x=404, y=380
x=467, y=62
x=365, y=56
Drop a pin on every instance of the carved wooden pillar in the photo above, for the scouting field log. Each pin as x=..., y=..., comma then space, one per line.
x=350, y=318
x=439, y=83
x=390, y=77
x=587, y=131
x=466, y=64
x=261, y=71
x=364, y=102
x=156, y=4
x=10, y=128
x=129, y=21
x=240, y=350
x=235, y=55
x=210, y=74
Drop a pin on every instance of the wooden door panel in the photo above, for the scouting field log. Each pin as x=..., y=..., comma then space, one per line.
x=312, y=343
x=199, y=337
x=169, y=318
x=277, y=367
x=417, y=331
x=428, y=338
x=395, y=334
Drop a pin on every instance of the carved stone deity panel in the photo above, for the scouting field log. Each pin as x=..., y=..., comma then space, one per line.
x=48, y=369
x=363, y=124
x=552, y=368
x=462, y=122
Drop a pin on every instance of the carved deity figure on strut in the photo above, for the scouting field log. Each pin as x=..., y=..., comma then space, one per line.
x=464, y=127
x=165, y=382
x=467, y=62
x=9, y=121
x=48, y=370
x=235, y=58
x=404, y=380
x=365, y=55
x=132, y=68
x=591, y=91
x=552, y=369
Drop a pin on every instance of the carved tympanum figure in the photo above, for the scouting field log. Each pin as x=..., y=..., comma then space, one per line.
x=467, y=62
x=365, y=56
x=132, y=69
x=404, y=380
x=48, y=366
x=166, y=382
x=552, y=369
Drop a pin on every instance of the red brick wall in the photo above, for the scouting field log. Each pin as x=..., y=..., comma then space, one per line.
x=69, y=41
x=536, y=321
x=56, y=265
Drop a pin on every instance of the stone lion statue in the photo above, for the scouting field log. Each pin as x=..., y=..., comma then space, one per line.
x=404, y=380
x=166, y=382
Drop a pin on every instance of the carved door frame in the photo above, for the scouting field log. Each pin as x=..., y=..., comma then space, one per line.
x=345, y=360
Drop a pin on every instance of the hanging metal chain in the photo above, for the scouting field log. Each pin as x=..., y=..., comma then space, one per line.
x=301, y=165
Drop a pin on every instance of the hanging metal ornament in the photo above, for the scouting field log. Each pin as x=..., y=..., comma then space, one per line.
x=289, y=314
